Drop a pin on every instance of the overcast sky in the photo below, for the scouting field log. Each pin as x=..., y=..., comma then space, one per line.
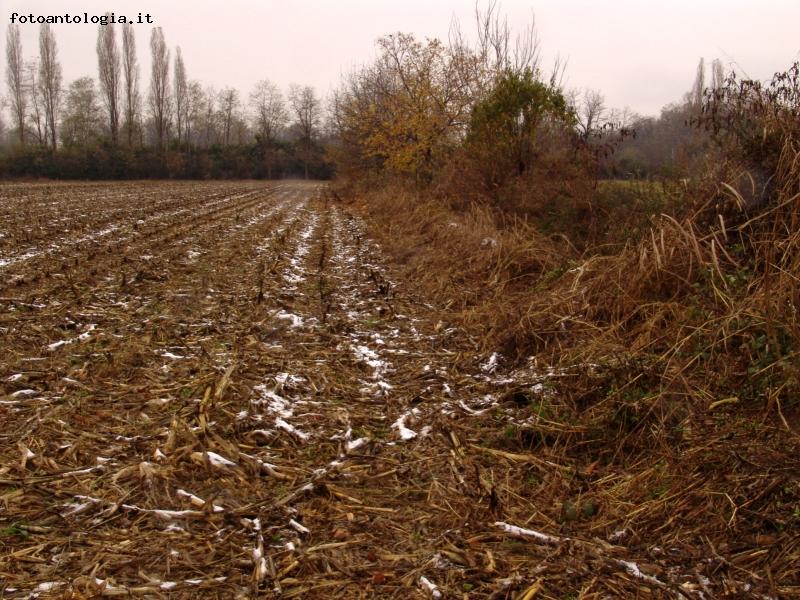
x=639, y=53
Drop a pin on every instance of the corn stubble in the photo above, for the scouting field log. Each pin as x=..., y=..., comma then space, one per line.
x=249, y=390
x=655, y=372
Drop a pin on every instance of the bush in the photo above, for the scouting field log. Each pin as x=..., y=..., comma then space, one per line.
x=104, y=161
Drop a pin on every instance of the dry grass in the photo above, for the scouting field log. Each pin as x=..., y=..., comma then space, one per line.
x=658, y=382
x=263, y=326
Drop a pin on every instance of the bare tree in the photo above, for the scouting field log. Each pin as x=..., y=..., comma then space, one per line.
x=209, y=117
x=195, y=101
x=108, y=63
x=130, y=68
x=33, y=90
x=717, y=74
x=269, y=111
x=49, y=80
x=240, y=129
x=228, y=104
x=181, y=92
x=623, y=118
x=499, y=48
x=159, y=86
x=16, y=80
x=81, y=115
x=307, y=111
x=590, y=111
x=695, y=98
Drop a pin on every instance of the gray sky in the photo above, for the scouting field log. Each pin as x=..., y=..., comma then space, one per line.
x=640, y=54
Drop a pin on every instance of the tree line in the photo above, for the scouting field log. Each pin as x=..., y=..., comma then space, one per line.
x=422, y=110
x=481, y=116
x=108, y=127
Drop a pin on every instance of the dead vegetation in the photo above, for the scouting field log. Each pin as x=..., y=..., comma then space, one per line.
x=656, y=396
x=244, y=399
x=235, y=392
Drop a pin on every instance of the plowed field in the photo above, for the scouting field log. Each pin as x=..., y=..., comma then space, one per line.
x=224, y=390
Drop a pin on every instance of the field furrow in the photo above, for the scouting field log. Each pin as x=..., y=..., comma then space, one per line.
x=230, y=394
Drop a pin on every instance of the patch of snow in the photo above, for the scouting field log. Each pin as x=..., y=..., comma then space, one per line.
x=87, y=329
x=298, y=527
x=430, y=587
x=356, y=444
x=286, y=379
x=400, y=424
x=219, y=461
x=197, y=501
x=490, y=366
x=618, y=535
x=527, y=533
x=633, y=569
x=277, y=404
x=81, y=471
x=371, y=358
x=169, y=515
x=76, y=508
x=287, y=427
x=296, y=320
x=470, y=411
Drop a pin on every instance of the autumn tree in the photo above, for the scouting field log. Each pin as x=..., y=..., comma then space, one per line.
x=15, y=77
x=108, y=62
x=511, y=127
x=49, y=81
x=409, y=108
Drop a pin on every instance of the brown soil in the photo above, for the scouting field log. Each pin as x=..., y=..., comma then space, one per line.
x=226, y=390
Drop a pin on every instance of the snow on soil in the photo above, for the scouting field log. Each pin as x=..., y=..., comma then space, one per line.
x=59, y=246
x=280, y=409
x=281, y=405
x=87, y=329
